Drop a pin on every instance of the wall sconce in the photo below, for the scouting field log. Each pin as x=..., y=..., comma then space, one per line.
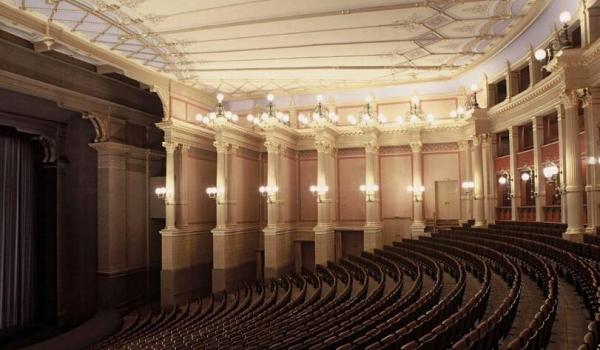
x=161, y=192
x=269, y=192
x=467, y=187
x=369, y=191
x=417, y=192
x=215, y=193
x=561, y=42
x=529, y=175
x=551, y=172
x=505, y=179
x=319, y=191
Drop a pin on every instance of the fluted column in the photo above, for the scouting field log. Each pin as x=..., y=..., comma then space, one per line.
x=225, y=215
x=464, y=149
x=574, y=185
x=515, y=189
x=181, y=187
x=418, y=224
x=591, y=109
x=324, y=231
x=561, y=155
x=478, y=208
x=539, y=180
x=373, y=236
x=490, y=199
x=170, y=184
x=277, y=240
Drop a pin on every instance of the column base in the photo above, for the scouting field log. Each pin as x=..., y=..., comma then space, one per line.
x=417, y=229
x=480, y=224
x=278, y=251
x=372, y=237
x=592, y=230
x=574, y=235
x=324, y=244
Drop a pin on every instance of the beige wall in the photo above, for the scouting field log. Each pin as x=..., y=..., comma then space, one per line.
x=350, y=175
x=440, y=162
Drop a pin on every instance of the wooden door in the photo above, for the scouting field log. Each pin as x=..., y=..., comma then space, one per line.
x=447, y=199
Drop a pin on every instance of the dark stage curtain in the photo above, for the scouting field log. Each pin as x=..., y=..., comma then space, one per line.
x=17, y=218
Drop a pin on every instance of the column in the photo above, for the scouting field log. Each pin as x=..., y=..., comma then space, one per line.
x=324, y=231
x=181, y=190
x=277, y=240
x=372, y=236
x=170, y=184
x=574, y=184
x=478, y=208
x=112, y=219
x=418, y=225
x=489, y=152
x=539, y=179
x=515, y=189
x=562, y=161
x=464, y=150
x=485, y=144
x=591, y=109
x=224, y=252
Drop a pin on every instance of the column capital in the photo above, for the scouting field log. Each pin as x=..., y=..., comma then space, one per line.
x=476, y=139
x=416, y=146
x=273, y=146
x=537, y=122
x=323, y=146
x=569, y=98
x=463, y=145
x=184, y=148
x=222, y=146
x=371, y=147
x=170, y=146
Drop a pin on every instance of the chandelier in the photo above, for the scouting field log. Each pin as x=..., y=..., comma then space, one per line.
x=270, y=116
x=470, y=106
x=368, y=116
x=320, y=116
x=219, y=117
x=415, y=114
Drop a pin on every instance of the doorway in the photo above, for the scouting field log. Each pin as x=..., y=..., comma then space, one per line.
x=447, y=199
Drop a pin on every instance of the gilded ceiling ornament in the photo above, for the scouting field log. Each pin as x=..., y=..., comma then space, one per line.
x=410, y=24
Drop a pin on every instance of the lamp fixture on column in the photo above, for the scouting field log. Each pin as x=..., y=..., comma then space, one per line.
x=529, y=174
x=562, y=41
x=320, y=116
x=319, y=191
x=369, y=191
x=269, y=192
x=270, y=116
x=161, y=192
x=215, y=193
x=368, y=116
x=416, y=115
x=551, y=172
x=219, y=117
x=467, y=187
x=417, y=192
x=506, y=179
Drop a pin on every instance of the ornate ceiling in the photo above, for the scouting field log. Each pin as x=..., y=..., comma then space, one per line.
x=246, y=48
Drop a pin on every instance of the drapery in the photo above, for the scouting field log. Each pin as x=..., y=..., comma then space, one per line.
x=17, y=227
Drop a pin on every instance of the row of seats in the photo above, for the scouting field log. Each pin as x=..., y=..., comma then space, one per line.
x=431, y=293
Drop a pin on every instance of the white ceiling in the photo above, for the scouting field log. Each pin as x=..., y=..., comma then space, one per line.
x=246, y=48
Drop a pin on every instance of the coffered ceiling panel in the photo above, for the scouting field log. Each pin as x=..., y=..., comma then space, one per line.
x=247, y=48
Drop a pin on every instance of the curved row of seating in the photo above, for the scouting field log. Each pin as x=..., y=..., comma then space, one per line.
x=431, y=293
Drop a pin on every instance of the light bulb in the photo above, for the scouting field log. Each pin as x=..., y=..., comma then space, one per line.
x=430, y=118
x=262, y=189
x=415, y=99
x=399, y=120
x=460, y=110
x=414, y=119
x=591, y=160
x=525, y=176
x=351, y=119
x=474, y=87
x=199, y=117
x=270, y=97
x=502, y=180
x=362, y=188
x=565, y=17
x=540, y=54
x=235, y=118
x=368, y=99
x=319, y=98
x=220, y=97
x=453, y=114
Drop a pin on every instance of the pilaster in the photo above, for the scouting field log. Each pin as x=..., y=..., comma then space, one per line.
x=418, y=224
x=372, y=236
x=324, y=231
x=539, y=180
x=478, y=207
x=574, y=184
x=489, y=180
x=515, y=189
x=591, y=107
x=562, y=160
x=464, y=149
